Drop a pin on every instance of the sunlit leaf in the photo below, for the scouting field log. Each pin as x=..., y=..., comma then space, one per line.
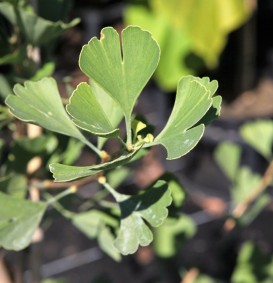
x=122, y=74
x=175, y=45
x=109, y=106
x=63, y=173
x=149, y=207
x=193, y=100
x=88, y=114
x=18, y=221
x=207, y=23
x=40, y=103
x=259, y=135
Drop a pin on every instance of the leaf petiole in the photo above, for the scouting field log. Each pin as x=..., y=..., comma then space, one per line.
x=70, y=190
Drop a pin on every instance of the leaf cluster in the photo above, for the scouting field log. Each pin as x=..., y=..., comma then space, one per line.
x=118, y=67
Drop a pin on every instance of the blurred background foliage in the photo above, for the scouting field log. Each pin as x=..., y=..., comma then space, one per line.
x=191, y=33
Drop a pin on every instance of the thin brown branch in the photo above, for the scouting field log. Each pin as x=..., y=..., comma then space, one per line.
x=190, y=276
x=240, y=209
x=48, y=184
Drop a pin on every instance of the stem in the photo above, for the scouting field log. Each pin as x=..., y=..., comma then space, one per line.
x=240, y=209
x=122, y=142
x=95, y=149
x=128, y=133
x=66, y=213
x=109, y=188
x=69, y=191
x=48, y=184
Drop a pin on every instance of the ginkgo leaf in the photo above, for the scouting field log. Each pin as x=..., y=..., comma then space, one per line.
x=262, y=129
x=63, y=173
x=193, y=100
x=109, y=106
x=228, y=157
x=18, y=221
x=87, y=112
x=95, y=224
x=149, y=207
x=40, y=103
x=121, y=73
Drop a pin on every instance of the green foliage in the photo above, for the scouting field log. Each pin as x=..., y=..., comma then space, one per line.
x=188, y=28
x=18, y=222
x=262, y=129
x=170, y=236
x=247, y=187
x=253, y=266
x=40, y=103
x=63, y=173
x=36, y=30
x=119, y=70
x=88, y=114
x=182, y=131
x=124, y=76
x=96, y=225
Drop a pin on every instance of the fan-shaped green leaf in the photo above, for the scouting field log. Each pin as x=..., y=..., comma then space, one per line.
x=40, y=103
x=149, y=206
x=63, y=173
x=121, y=73
x=87, y=112
x=109, y=106
x=18, y=221
x=259, y=134
x=193, y=100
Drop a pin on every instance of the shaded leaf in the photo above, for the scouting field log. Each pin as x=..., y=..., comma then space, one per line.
x=24, y=149
x=252, y=212
x=37, y=30
x=5, y=88
x=95, y=224
x=18, y=221
x=149, y=207
x=172, y=234
x=123, y=78
x=177, y=190
x=246, y=182
x=14, y=184
x=228, y=157
x=117, y=176
x=263, y=129
x=193, y=100
x=63, y=173
x=40, y=103
x=88, y=114
x=44, y=71
x=252, y=266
